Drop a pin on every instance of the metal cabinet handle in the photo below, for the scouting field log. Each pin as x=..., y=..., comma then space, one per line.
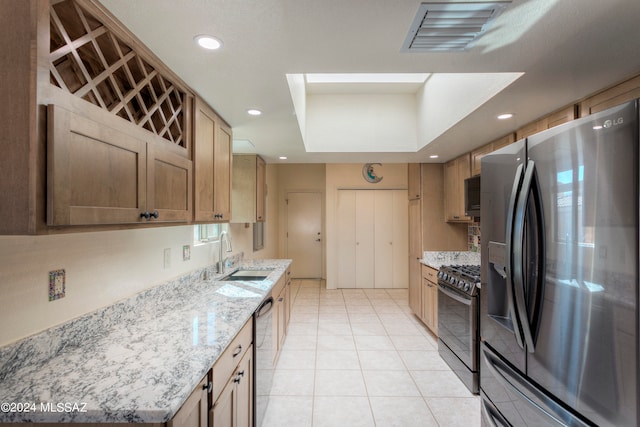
x=238, y=351
x=154, y=214
x=208, y=386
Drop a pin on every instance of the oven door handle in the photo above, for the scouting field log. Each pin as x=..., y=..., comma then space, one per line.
x=459, y=298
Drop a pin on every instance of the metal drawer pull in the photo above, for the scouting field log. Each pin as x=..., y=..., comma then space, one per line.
x=208, y=387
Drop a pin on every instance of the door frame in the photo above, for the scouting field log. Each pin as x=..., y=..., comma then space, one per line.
x=285, y=227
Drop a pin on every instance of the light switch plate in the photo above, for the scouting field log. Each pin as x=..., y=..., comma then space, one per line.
x=186, y=252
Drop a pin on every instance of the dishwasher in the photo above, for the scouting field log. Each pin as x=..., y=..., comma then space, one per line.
x=263, y=357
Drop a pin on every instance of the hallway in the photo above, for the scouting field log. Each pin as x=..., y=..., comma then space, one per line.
x=358, y=357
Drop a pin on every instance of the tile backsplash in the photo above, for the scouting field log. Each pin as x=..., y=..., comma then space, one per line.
x=473, y=242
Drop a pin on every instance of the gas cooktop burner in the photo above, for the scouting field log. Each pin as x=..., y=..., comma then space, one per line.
x=463, y=278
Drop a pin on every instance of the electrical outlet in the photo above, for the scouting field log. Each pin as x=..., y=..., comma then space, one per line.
x=186, y=252
x=167, y=258
x=57, y=284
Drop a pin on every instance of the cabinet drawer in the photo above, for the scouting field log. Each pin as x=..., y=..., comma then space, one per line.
x=430, y=274
x=227, y=362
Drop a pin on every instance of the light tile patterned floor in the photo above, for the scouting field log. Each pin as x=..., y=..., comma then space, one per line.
x=358, y=357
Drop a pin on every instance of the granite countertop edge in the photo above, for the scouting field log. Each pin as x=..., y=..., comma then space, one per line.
x=137, y=360
x=436, y=259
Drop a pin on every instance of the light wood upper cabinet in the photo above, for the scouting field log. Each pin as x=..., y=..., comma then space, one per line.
x=455, y=172
x=618, y=94
x=414, y=181
x=479, y=153
x=249, y=188
x=99, y=175
x=554, y=119
x=212, y=166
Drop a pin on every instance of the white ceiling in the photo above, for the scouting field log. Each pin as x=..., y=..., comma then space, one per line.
x=567, y=49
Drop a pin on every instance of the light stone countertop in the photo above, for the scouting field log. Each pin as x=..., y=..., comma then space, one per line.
x=436, y=259
x=137, y=360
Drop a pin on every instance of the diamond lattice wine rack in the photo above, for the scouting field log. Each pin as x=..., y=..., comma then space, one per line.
x=91, y=62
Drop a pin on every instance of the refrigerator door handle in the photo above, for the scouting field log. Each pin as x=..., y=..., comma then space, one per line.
x=515, y=382
x=491, y=415
x=508, y=250
x=518, y=238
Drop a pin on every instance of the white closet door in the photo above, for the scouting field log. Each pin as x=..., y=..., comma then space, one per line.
x=400, y=239
x=364, y=225
x=384, y=238
x=346, y=239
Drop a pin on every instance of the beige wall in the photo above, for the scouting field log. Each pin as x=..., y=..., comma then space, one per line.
x=349, y=176
x=105, y=267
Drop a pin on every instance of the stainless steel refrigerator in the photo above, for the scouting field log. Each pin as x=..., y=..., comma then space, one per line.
x=559, y=298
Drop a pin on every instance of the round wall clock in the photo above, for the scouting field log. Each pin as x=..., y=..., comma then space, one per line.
x=369, y=173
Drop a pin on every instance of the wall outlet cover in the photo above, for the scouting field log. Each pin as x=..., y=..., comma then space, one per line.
x=57, y=284
x=186, y=252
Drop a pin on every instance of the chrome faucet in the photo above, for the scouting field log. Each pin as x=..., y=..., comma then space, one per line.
x=221, y=263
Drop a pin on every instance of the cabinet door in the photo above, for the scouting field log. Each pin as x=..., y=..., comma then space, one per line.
x=95, y=174
x=450, y=189
x=415, y=254
x=414, y=181
x=193, y=412
x=261, y=190
x=400, y=254
x=477, y=155
x=222, y=171
x=244, y=391
x=169, y=184
x=616, y=95
x=212, y=166
x=280, y=312
x=455, y=172
x=223, y=412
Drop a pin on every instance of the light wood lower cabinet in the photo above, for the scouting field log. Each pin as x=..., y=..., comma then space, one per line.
x=234, y=405
x=280, y=315
x=430, y=298
x=193, y=412
x=415, y=254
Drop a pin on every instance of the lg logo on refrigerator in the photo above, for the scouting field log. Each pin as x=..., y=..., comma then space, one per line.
x=615, y=122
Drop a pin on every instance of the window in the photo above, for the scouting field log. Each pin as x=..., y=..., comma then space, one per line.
x=205, y=233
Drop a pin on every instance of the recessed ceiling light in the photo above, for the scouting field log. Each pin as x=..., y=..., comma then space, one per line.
x=254, y=112
x=208, y=42
x=505, y=116
x=433, y=156
x=283, y=157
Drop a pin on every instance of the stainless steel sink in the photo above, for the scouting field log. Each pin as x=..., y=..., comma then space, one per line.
x=248, y=275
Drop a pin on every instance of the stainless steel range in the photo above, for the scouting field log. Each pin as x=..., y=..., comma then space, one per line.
x=458, y=321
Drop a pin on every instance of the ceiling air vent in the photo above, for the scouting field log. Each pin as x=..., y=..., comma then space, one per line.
x=450, y=26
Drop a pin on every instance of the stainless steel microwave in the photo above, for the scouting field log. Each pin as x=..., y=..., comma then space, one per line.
x=472, y=196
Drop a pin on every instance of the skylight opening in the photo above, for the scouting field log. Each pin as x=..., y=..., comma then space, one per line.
x=367, y=77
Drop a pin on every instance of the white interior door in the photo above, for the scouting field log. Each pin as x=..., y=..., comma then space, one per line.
x=384, y=238
x=346, y=239
x=365, y=242
x=304, y=234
